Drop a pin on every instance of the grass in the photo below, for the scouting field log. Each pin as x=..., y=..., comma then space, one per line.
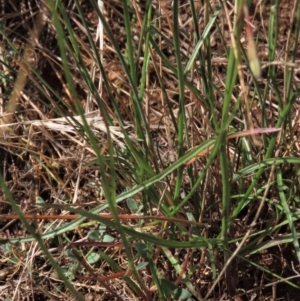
x=144, y=157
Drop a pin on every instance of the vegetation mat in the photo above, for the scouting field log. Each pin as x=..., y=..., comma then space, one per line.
x=149, y=150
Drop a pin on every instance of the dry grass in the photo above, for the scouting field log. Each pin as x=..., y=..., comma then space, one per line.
x=47, y=157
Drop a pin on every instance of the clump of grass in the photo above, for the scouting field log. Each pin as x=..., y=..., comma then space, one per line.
x=150, y=135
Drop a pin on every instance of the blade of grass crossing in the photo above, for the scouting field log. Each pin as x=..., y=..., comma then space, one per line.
x=38, y=238
x=166, y=61
x=124, y=195
x=201, y=177
x=136, y=101
x=229, y=83
x=108, y=185
x=117, y=268
x=225, y=189
x=68, y=74
x=287, y=211
x=272, y=41
x=140, y=161
x=264, y=245
x=129, y=39
x=269, y=151
x=140, y=120
x=154, y=272
x=289, y=72
x=160, y=80
x=145, y=44
x=196, y=242
x=62, y=47
x=83, y=69
x=272, y=274
x=201, y=40
x=71, y=85
x=182, y=128
x=251, y=169
x=295, y=52
x=178, y=267
x=209, y=87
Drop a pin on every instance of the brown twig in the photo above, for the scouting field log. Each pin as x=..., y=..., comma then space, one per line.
x=106, y=216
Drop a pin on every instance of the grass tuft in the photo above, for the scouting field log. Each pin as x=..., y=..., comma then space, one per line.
x=149, y=151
